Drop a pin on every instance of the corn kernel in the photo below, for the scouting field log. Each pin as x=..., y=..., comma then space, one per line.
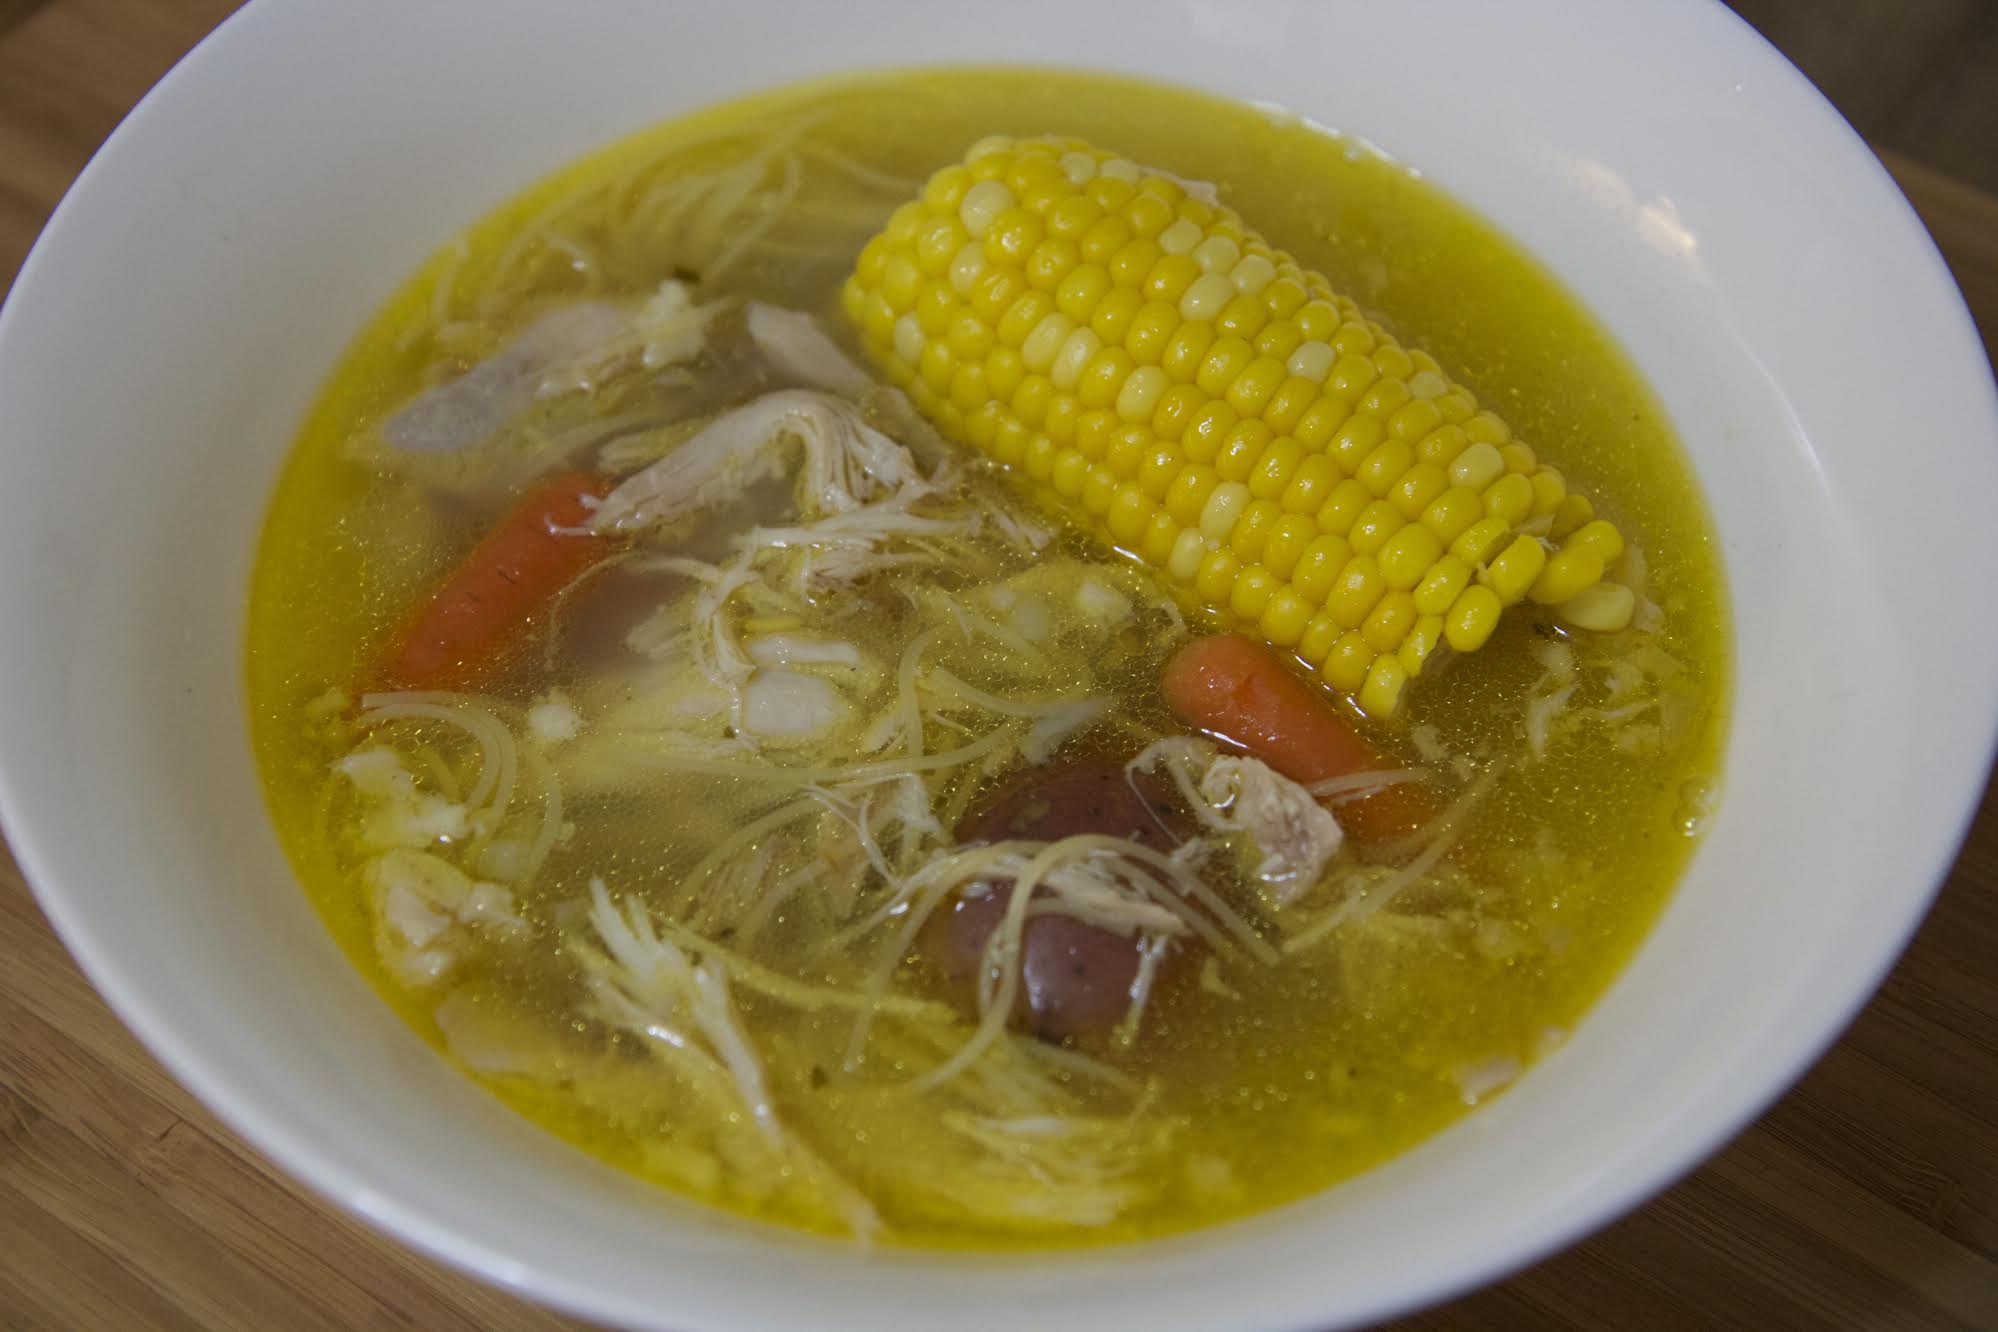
x=1274, y=468
x=1604, y=608
x=1186, y=351
x=1288, y=540
x=1312, y=361
x=1141, y=390
x=1375, y=524
x=1050, y=262
x=1599, y=536
x=1471, y=619
x=1351, y=376
x=1355, y=591
x=1155, y=546
x=1385, y=465
x=1126, y=448
x=1510, y=497
x=1044, y=342
x=1243, y=316
x=1480, y=540
x=1392, y=361
x=1003, y=373
x=1112, y=320
x=1313, y=480
x=1216, y=577
x=1022, y=317
x=1070, y=470
x=1208, y=429
x=1442, y=445
x=1285, y=296
x=1346, y=665
x=1357, y=438
x=1570, y=516
x=1280, y=339
x=1450, y=513
x=1518, y=458
x=1389, y=622
x=1250, y=391
x=1074, y=218
x=1009, y=442
x=1512, y=571
x=1477, y=467
x=1188, y=550
x=1325, y=415
x=1408, y=555
x=1419, y=487
x=1223, y=510
x=1421, y=641
x=967, y=338
x=1289, y=403
x=1415, y=420
x=1132, y=263
x=1098, y=488
x=1226, y=359
x=1130, y=513
x=1319, y=567
x=1565, y=574
x=1078, y=349
x=1285, y=616
x=1249, y=534
x=1169, y=278
x=1241, y=450
x=1101, y=382
x=1384, y=399
x=1176, y=409
x=1342, y=507
x=1315, y=644
x=1549, y=489
x=1253, y=590
x=1148, y=214
x=1186, y=498
x=1317, y=319
x=1487, y=428
x=1440, y=586
x=1101, y=242
x=1150, y=332
x=1040, y=458
x=1381, y=694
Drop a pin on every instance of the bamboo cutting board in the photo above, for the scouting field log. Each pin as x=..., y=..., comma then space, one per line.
x=1867, y=1197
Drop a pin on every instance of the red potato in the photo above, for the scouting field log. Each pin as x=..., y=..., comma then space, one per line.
x=1075, y=979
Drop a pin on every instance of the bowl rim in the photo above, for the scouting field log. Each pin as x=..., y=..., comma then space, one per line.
x=305, y=1160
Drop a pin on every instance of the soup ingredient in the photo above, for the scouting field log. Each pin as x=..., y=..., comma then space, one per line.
x=1200, y=399
x=472, y=620
x=847, y=462
x=1237, y=691
x=1079, y=980
x=469, y=409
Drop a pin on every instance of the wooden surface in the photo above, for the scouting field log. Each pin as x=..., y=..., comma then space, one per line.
x=1868, y=1197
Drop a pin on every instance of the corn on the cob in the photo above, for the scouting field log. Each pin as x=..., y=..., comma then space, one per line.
x=1209, y=405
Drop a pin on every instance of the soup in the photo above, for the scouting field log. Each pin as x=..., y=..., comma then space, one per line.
x=875, y=766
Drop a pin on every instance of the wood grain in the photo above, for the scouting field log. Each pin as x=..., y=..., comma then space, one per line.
x=1868, y=1197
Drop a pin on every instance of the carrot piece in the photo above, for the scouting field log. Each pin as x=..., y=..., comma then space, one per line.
x=471, y=620
x=1238, y=692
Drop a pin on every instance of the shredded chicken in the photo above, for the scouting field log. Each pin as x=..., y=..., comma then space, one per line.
x=1295, y=836
x=847, y=462
x=799, y=349
x=418, y=899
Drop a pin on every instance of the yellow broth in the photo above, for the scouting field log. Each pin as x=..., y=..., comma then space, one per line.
x=1310, y=1070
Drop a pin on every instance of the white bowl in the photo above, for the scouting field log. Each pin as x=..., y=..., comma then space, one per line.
x=196, y=286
